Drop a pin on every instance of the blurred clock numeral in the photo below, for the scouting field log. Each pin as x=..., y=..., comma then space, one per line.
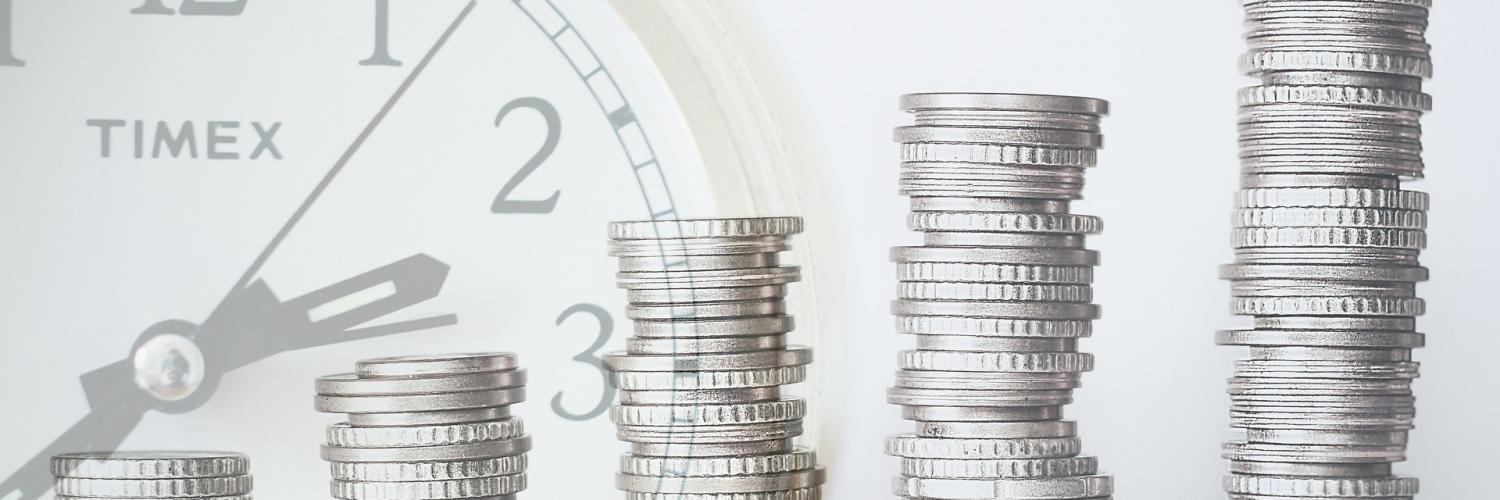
x=590, y=357
x=382, y=54
x=7, y=58
x=503, y=204
x=193, y=8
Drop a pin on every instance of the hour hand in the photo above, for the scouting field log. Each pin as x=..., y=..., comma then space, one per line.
x=254, y=324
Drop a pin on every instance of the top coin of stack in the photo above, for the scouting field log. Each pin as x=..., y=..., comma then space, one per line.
x=700, y=381
x=1326, y=247
x=426, y=428
x=997, y=297
x=152, y=475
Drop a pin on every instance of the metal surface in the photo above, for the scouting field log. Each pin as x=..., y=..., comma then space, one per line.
x=997, y=296
x=1326, y=246
x=426, y=427
x=700, y=383
x=152, y=475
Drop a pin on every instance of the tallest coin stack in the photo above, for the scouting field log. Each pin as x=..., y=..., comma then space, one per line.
x=1326, y=246
x=997, y=296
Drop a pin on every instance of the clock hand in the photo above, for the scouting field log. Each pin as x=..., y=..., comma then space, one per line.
x=107, y=423
x=253, y=324
x=338, y=166
x=250, y=326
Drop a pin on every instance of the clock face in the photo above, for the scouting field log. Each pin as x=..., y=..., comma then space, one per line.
x=288, y=187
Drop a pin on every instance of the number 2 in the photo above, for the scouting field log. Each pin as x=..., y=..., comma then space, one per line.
x=590, y=357
x=504, y=205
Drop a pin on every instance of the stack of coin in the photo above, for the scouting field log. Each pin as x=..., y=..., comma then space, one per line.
x=1326, y=245
x=700, y=381
x=426, y=427
x=184, y=475
x=996, y=297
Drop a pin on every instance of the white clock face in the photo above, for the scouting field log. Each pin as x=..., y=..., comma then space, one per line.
x=298, y=185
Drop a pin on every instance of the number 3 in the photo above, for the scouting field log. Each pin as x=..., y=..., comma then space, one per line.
x=590, y=357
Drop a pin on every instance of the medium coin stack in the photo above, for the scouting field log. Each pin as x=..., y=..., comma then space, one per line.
x=427, y=428
x=139, y=475
x=1326, y=245
x=700, y=381
x=997, y=296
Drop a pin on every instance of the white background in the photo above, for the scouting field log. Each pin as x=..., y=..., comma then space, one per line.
x=1155, y=410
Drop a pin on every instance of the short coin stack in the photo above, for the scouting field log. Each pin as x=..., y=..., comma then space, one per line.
x=996, y=298
x=140, y=475
x=426, y=428
x=1326, y=245
x=700, y=381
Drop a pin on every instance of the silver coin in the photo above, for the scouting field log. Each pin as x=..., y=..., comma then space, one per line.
x=1001, y=381
x=429, y=417
x=718, y=434
x=711, y=380
x=1326, y=470
x=696, y=262
x=721, y=485
x=911, y=446
x=801, y=459
x=697, y=295
x=999, y=430
x=667, y=248
x=349, y=384
x=999, y=469
x=679, y=397
x=977, y=239
x=1076, y=487
x=1051, y=256
x=960, y=343
x=154, y=488
x=1316, y=486
x=420, y=402
x=980, y=398
x=980, y=414
x=689, y=415
x=1004, y=222
x=979, y=309
x=993, y=327
x=435, y=364
x=1021, y=362
x=791, y=356
x=754, y=326
x=706, y=310
x=709, y=345
x=749, y=227
x=428, y=471
x=657, y=280
x=947, y=204
x=344, y=435
x=1345, y=438
x=149, y=464
x=429, y=490
x=685, y=447
x=918, y=290
x=468, y=451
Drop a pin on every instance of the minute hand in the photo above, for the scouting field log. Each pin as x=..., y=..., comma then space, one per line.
x=338, y=166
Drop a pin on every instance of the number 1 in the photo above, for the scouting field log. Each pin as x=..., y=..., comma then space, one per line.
x=382, y=55
x=6, y=57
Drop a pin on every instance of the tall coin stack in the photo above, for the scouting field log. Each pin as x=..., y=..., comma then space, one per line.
x=426, y=428
x=1326, y=246
x=700, y=381
x=997, y=296
x=141, y=475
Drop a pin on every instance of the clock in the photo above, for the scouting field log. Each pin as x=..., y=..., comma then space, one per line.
x=209, y=203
